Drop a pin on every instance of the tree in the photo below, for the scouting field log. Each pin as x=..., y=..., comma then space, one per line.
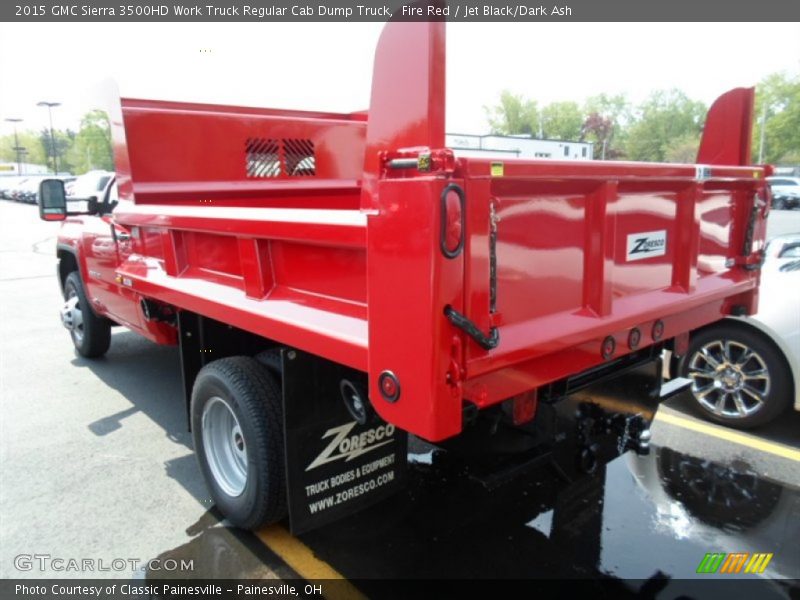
x=683, y=149
x=778, y=99
x=561, y=121
x=34, y=150
x=599, y=130
x=92, y=146
x=617, y=108
x=62, y=141
x=662, y=119
x=514, y=115
x=605, y=124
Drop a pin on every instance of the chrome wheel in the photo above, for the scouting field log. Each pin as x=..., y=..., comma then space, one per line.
x=72, y=316
x=224, y=446
x=729, y=379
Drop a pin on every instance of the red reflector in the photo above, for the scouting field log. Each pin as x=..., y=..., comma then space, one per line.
x=681, y=344
x=453, y=228
x=524, y=407
x=389, y=386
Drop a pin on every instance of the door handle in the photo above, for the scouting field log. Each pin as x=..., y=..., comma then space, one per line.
x=123, y=236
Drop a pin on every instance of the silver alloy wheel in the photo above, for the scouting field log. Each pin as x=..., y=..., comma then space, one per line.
x=729, y=379
x=224, y=446
x=75, y=314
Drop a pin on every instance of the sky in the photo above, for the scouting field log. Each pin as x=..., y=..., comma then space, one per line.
x=328, y=66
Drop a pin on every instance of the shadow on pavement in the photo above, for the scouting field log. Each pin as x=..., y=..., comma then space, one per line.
x=148, y=376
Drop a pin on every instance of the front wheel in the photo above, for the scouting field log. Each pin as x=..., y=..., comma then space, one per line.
x=91, y=335
x=237, y=427
x=738, y=377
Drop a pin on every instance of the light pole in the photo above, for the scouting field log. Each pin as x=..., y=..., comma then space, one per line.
x=16, y=143
x=23, y=153
x=50, y=106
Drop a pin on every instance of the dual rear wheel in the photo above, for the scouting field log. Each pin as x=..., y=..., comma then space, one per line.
x=237, y=427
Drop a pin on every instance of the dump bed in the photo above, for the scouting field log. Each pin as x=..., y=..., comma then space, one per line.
x=361, y=239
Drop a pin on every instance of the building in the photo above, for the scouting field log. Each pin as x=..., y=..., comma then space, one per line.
x=10, y=169
x=517, y=146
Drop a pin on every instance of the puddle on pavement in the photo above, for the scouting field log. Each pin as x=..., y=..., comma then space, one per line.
x=650, y=519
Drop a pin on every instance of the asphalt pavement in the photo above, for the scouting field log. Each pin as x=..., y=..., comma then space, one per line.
x=96, y=462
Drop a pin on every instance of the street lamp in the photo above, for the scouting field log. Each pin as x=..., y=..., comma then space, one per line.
x=16, y=143
x=50, y=106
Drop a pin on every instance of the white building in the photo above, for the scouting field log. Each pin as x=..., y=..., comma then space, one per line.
x=10, y=169
x=517, y=146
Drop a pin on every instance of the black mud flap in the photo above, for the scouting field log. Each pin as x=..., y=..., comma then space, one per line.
x=334, y=465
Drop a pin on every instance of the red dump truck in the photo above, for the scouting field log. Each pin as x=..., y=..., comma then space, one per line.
x=335, y=282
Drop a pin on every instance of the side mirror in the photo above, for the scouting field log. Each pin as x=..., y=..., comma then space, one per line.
x=52, y=200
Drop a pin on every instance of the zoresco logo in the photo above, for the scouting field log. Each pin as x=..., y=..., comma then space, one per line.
x=345, y=447
x=734, y=563
x=646, y=245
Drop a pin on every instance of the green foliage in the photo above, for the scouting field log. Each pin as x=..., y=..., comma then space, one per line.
x=89, y=148
x=605, y=124
x=617, y=108
x=665, y=127
x=30, y=141
x=561, y=121
x=514, y=115
x=778, y=99
x=62, y=141
x=664, y=117
x=683, y=149
x=92, y=146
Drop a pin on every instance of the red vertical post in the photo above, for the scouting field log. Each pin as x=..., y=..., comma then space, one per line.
x=686, y=238
x=599, y=249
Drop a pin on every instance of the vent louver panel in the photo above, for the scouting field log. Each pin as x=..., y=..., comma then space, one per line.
x=263, y=158
x=276, y=158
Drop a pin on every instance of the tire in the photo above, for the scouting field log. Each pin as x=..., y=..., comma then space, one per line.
x=237, y=428
x=739, y=378
x=91, y=335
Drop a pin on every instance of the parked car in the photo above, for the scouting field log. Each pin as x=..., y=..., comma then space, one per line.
x=745, y=371
x=92, y=183
x=7, y=184
x=16, y=191
x=26, y=191
x=785, y=192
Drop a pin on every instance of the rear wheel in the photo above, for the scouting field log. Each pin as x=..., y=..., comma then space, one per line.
x=91, y=335
x=237, y=426
x=738, y=377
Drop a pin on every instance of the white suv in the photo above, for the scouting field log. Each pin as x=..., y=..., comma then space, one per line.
x=89, y=184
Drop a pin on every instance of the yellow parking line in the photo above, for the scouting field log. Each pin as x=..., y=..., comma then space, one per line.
x=302, y=560
x=730, y=436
